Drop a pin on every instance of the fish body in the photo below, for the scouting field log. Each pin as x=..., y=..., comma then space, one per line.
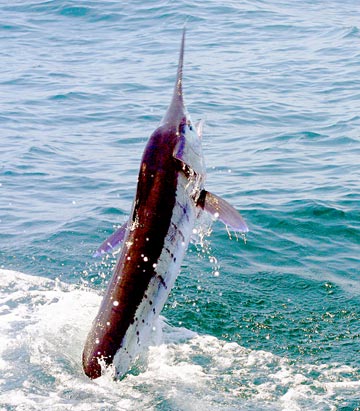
x=170, y=196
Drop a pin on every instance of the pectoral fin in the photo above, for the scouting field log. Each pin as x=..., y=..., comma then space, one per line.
x=199, y=128
x=112, y=242
x=222, y=210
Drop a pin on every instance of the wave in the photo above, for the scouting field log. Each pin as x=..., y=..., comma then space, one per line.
x=44, y=324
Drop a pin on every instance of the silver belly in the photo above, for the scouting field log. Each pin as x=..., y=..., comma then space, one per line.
x=167, y=268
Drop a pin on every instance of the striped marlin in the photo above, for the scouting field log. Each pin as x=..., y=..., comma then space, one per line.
x=170, y=196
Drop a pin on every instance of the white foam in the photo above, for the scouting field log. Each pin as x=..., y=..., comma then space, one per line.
x=44, y=323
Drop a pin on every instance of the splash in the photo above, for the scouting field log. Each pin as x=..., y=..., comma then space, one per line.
x=43, y=325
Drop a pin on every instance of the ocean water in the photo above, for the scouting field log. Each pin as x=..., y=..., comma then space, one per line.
x=272, y=323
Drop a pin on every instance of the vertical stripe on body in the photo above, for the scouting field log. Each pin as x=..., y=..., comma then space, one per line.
x=167, y=268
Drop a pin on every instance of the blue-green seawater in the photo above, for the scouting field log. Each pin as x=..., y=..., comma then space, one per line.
x=272, y=323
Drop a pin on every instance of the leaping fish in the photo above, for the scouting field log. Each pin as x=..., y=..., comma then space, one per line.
x=170, y=196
